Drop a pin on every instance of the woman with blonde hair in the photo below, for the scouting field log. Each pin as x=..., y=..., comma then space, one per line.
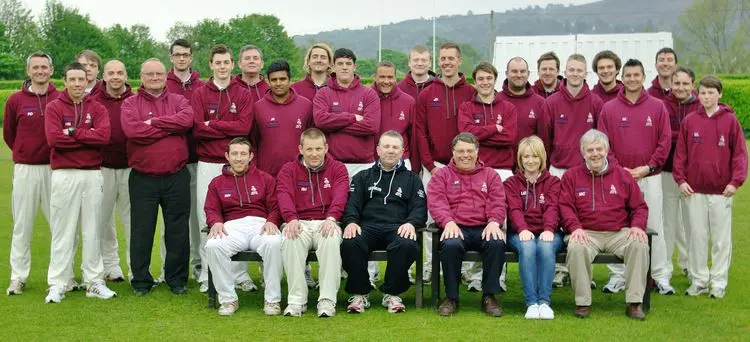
x=532, y=195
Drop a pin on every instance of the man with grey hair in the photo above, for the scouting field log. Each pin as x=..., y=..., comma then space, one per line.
x=251, y=65
x=155, y=123
x=23, y=125
x=603, y=210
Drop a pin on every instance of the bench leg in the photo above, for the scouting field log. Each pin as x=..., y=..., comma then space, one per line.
x=435, y=269
x=212, y=302
x=418, y=276
x=647, y=294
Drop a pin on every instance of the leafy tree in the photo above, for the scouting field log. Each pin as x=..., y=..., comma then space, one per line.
x=21, y=30
x=267, y=33
x=131, y=46
x=11, y=67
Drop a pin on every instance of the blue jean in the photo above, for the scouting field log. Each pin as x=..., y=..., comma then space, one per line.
x=536, y=266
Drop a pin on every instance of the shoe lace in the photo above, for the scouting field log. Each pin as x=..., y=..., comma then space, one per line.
x=358, y=300
x=394, y=301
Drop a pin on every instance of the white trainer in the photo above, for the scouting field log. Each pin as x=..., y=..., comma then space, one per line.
x=717, y=293
x=394, y=304
x=71, y=285
x=426, y=276
x=326, y=308
x=115, y=275
x=532, y=312
x=16, y=287
x=545, y=312
x=228, y=309
x=295, y=310
x=272, y=309
x=55, y=295
x=358, y=304
x=99, y=290
x=664, y=287
x=311, y=283
x=247, y=286
x=204, y=287
x=614, y=285
x=695, y=290
x=561, y=278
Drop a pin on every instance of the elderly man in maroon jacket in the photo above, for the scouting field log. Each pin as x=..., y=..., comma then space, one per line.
x=155, y=123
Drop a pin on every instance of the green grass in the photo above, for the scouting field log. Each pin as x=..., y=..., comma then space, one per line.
x=163, y=315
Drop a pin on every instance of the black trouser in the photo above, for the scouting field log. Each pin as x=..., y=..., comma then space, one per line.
x=452, y=254
x=147, y=193
x=356, y=252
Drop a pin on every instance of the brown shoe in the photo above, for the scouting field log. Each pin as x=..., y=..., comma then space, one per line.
x=491, y=307
x=634, y=311
x=448, y=307
x=582, y=311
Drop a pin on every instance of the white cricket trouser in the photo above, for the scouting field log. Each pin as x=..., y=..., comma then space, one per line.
x=75, y=195
x=294, y=256
x=426, y=177
x=372, y=267
x=115, y=193
x=244, y=234
x=474, y=269
x=652, y=192
x=206, y=173
x=31, y=191
x=704, y=215
x=674, y=230
x=558, y=173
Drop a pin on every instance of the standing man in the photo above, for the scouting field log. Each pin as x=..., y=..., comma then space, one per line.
x=467, y=201
x=517, y=90
x=607, y=65
x=549, y=82
x=91, y=62
x=222, y=112
x=396, y=110
x=251, y=65
x=183, y=80
x=242, y=212
x=115, y=171
x=666, y=62
x=385, y=207
x=640, y=139
x=155, y=123
x=312, y=193
x=76, y=127
x=681, y=101
x=317, y=66
x=282, y=112
x=23, y=125
x=419, y=76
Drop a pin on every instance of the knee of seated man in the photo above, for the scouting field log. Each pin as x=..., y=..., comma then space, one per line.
x=576, y=247
x=496, y=244
x=451, y=244
x=404, y=243
x=213, y=243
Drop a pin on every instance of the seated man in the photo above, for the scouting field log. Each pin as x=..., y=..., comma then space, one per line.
x=386, y=204
x=604, y=211
x=312, y=193
x=242, y=213
x=467, y=201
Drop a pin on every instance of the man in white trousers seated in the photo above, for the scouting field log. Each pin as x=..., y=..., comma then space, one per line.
x=312, y=193
x=243, y=215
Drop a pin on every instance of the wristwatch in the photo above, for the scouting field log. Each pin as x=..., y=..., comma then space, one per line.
x=70, y=131
x=651, y=169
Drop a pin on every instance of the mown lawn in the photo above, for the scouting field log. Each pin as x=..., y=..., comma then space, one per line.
x=163, y=315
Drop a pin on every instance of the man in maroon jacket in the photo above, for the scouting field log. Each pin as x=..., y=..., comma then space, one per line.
x=243, y=214
x=317, y=65
x=666, y=62
x=183, y=80
x=23, y=124
x=251, y=65
x=155, y=123
x=115, y=170
x=606, y=65
x=76, y=127
x=517, y=90
x=603, y=209
x=550, y=81
x=419, y=76
x=91, y=62
x=396, y=111
x=312, y=193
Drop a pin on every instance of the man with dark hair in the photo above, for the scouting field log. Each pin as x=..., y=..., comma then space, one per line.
x=221, y=112
x=467, y=201
x=312, y=193
x=549, y=82
x=639, y=137
x=242, y=212
x=666, y=62
x=155, y=123
x=251, y=65
x=23, y=124
x=606, y=65
x=76, y=127
x=91, y=62
x=115, y=171
x=386, y=205
x=317, y=66
x=396, y=111
x=183, y=80
x=518, y=91
x=436, y=122
x=419, y=76
x=280, y=113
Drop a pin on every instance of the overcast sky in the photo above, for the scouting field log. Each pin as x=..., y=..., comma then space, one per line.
x=297, y=16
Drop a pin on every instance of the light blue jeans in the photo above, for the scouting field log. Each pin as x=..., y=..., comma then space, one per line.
x=536, y=266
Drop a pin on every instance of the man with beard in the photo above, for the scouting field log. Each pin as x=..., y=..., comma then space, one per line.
x=317, y=65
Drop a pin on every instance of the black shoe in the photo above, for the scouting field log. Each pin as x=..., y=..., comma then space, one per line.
x=140, y=292
x=179, y=290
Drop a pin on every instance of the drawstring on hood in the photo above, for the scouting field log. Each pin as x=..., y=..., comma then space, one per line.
x=310, y=170
x=390, y=185
x=239, y=192
x=601, y=181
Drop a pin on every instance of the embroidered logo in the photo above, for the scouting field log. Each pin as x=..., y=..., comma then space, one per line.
x=210, y=111
x=29, y=113
x=649, y=123
x=523, y=193
x=253, y=191
x=499, y=120
x=326, y=183
x=299, y=124
x=532, y=115
x=612, y=190
x=435, y=99
x=88, y=118
x=624, y=119
x=360, y=106
x=696, y=135
x=581, y=193
x=484, y=187
x=335, y=103
x=150, y=114
x=722, y=142
x=233, y=108
x=227, y=195
x=398, y=192
x=541, y=199
x=590, y=118
x=401, y=116
x=420, y=193
x=303, y=189
x=562, y=115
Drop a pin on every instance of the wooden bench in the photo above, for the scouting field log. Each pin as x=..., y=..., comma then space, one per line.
x=378, y=255
x=602, y=258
